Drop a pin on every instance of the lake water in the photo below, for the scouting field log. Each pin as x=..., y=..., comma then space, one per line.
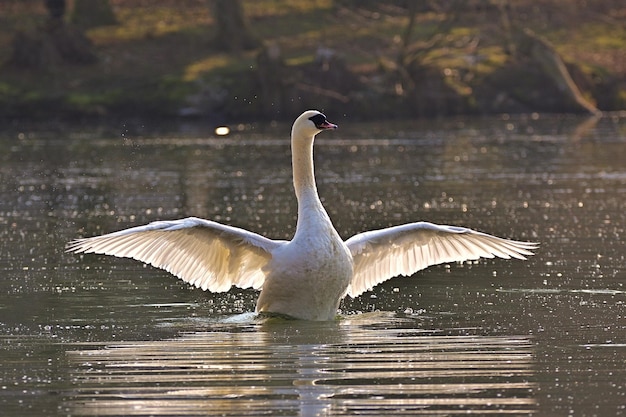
x=94, y=335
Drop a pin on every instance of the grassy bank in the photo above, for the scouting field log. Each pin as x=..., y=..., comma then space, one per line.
x=159, y=61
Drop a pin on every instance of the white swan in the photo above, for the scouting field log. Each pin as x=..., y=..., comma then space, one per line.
x=306, y=277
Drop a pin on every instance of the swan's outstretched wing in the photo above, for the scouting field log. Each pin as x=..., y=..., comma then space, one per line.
x=207, y=254
x=403, y=250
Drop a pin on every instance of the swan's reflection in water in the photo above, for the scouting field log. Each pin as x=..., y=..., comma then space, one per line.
x=351, y=367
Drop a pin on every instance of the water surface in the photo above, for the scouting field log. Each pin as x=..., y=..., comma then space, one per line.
x=92, y=335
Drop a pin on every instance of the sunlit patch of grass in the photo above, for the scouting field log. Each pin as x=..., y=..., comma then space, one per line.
x=590, y=35
x=597, y=48
x=299, y=38
x=490, y=58
x=135, y=23
x=300, y=60
x=285, y=27
x=461, y=32
x=197, y=69
x=612, y=41
x=274, y=8
x=464, y=49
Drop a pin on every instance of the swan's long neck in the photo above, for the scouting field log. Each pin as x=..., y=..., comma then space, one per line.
x=309, y=205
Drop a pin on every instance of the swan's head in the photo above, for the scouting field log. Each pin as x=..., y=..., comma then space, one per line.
x=310, y=123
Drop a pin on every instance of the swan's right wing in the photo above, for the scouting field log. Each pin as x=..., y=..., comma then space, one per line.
x=403, y=250
x=209, y=255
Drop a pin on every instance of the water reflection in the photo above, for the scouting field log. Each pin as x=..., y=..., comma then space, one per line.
x=352, y=367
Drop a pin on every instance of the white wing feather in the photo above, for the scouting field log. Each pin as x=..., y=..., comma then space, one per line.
x=403, y=250
x=209, y=255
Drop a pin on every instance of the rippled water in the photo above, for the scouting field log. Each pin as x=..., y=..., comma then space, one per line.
x=354, y=367
x=91, y=335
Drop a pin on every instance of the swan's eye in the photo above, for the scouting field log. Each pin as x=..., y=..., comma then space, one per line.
x=318, y=120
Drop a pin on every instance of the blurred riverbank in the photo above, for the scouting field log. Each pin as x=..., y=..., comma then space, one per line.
x=364, y=60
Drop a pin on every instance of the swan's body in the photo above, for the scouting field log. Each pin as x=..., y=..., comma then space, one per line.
x=306, y=277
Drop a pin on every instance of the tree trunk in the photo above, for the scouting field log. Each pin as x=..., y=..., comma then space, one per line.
x=51, y=44
x=550, y=62
x=56, y=8
x=233, y=32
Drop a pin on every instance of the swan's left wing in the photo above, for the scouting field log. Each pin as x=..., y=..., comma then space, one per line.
x=403, y=250
x=209, y=255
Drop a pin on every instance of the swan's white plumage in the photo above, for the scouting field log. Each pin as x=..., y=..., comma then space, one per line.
x=209, y=255
x=403, y=250
x=308, y=276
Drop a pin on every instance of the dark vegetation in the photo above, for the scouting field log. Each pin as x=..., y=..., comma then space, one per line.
x=274, y=58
